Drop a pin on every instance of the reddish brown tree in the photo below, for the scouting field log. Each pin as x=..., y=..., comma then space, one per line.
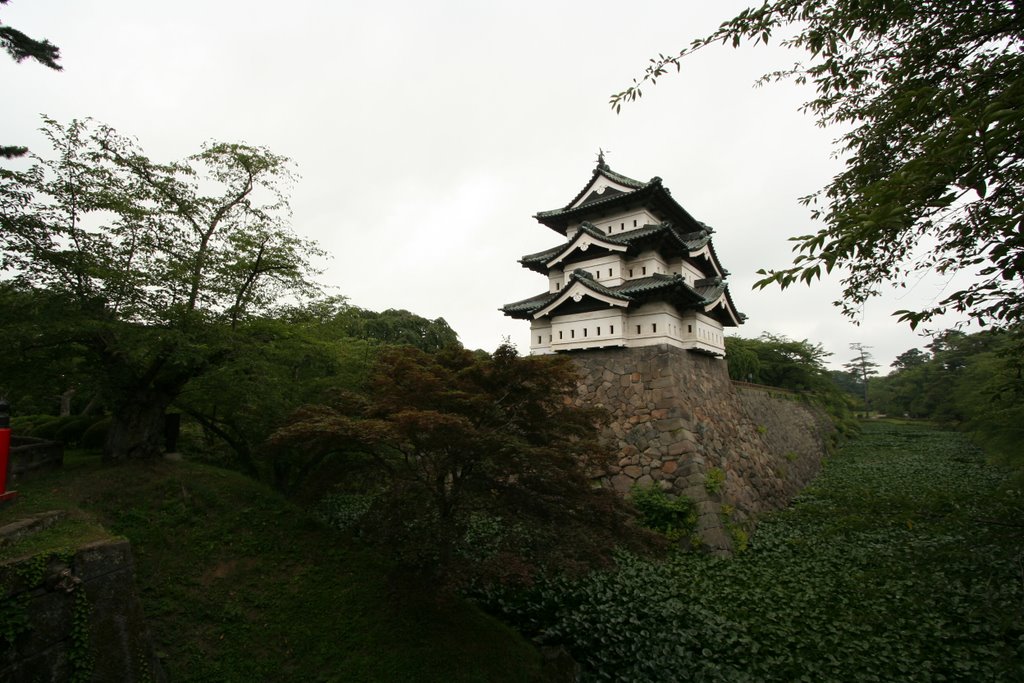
x=478, y=461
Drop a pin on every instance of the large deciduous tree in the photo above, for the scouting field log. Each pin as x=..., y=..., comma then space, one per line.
x=154, y=265
x=931, y=94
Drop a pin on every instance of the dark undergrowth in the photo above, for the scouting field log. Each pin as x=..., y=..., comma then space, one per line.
x=240, y=585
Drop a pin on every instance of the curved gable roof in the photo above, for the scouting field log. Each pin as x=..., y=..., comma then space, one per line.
x=581, y=284
x=595, y=188
x=619, y=193
x=693, y=245
x=587, y=236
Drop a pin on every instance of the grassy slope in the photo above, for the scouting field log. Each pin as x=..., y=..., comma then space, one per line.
x=240, y=585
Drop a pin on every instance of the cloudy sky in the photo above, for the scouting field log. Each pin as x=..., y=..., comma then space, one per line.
x=427, y=134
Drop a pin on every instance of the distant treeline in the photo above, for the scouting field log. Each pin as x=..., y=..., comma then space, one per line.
x=971, y=381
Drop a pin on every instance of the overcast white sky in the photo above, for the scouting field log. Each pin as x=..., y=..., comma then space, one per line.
x=427, y=134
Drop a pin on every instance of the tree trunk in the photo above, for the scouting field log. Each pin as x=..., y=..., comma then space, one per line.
x=137, y=427
x=65, y=402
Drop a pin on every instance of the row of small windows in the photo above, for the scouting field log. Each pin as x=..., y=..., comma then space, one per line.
x=622, y=226
x=713, y=336
x=639, y=330
x=586, y=331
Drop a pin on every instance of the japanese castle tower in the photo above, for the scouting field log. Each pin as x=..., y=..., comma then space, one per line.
x=635, y=269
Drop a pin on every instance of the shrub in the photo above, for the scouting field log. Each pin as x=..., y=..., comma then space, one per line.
x=714, y=479
x=96, y=435
x=675, y=517
x=44, y=428
x=343, y=511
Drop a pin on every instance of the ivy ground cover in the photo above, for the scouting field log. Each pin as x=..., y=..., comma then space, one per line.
x=902, y=562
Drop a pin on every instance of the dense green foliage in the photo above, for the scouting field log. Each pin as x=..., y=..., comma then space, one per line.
x=971, y=381
x=396, y=327
x=928, y=95
x=675, y=517
x=901, y=562
x=238, y=584
x=288, y=358
x=798, y=366
x=778, y=361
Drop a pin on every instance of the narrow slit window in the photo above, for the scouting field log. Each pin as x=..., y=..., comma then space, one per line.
x=584, y=332
x=609, y=272
x=572, y=334
x=611, y=329
x=599, y=331
x=638, y=329
x=689, y=329
x=631, y=272
x=644, y=271
x=559, y=334
x=634, y=222
x=654, y=327
x=538, y=339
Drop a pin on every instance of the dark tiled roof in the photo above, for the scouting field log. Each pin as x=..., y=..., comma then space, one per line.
x=595, y=203
x=712, y=288
x=602, y=169
x=534, y=303
x=690, y=241
x=672, y=287
x=588, y=279
x=542, y=256
x=538, y=261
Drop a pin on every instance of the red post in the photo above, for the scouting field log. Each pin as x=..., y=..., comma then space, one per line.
x=5, y=451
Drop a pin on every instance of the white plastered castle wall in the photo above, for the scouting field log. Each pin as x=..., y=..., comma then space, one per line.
x=650, y=324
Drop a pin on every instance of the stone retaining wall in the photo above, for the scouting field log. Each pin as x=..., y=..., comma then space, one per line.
x=679, y=423
x=29, y=454
x=50, y=601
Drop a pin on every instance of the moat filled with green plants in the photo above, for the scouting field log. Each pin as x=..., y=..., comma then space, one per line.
x=903, y=561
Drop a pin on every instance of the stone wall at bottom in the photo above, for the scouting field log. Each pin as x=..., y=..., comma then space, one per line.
x=679, y=423
x=45, y=591
x=29, y=454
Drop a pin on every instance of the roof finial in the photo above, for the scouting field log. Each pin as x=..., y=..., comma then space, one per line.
x=600, y=158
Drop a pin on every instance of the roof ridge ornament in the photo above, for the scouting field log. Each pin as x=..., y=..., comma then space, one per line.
x=600, y=159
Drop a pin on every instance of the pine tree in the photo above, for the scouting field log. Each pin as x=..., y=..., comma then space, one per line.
x=862, y=366
x=20, y=47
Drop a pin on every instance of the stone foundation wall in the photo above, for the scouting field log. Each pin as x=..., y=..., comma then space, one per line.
x=678, y=422
x=78, y=612
x=29, y=454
